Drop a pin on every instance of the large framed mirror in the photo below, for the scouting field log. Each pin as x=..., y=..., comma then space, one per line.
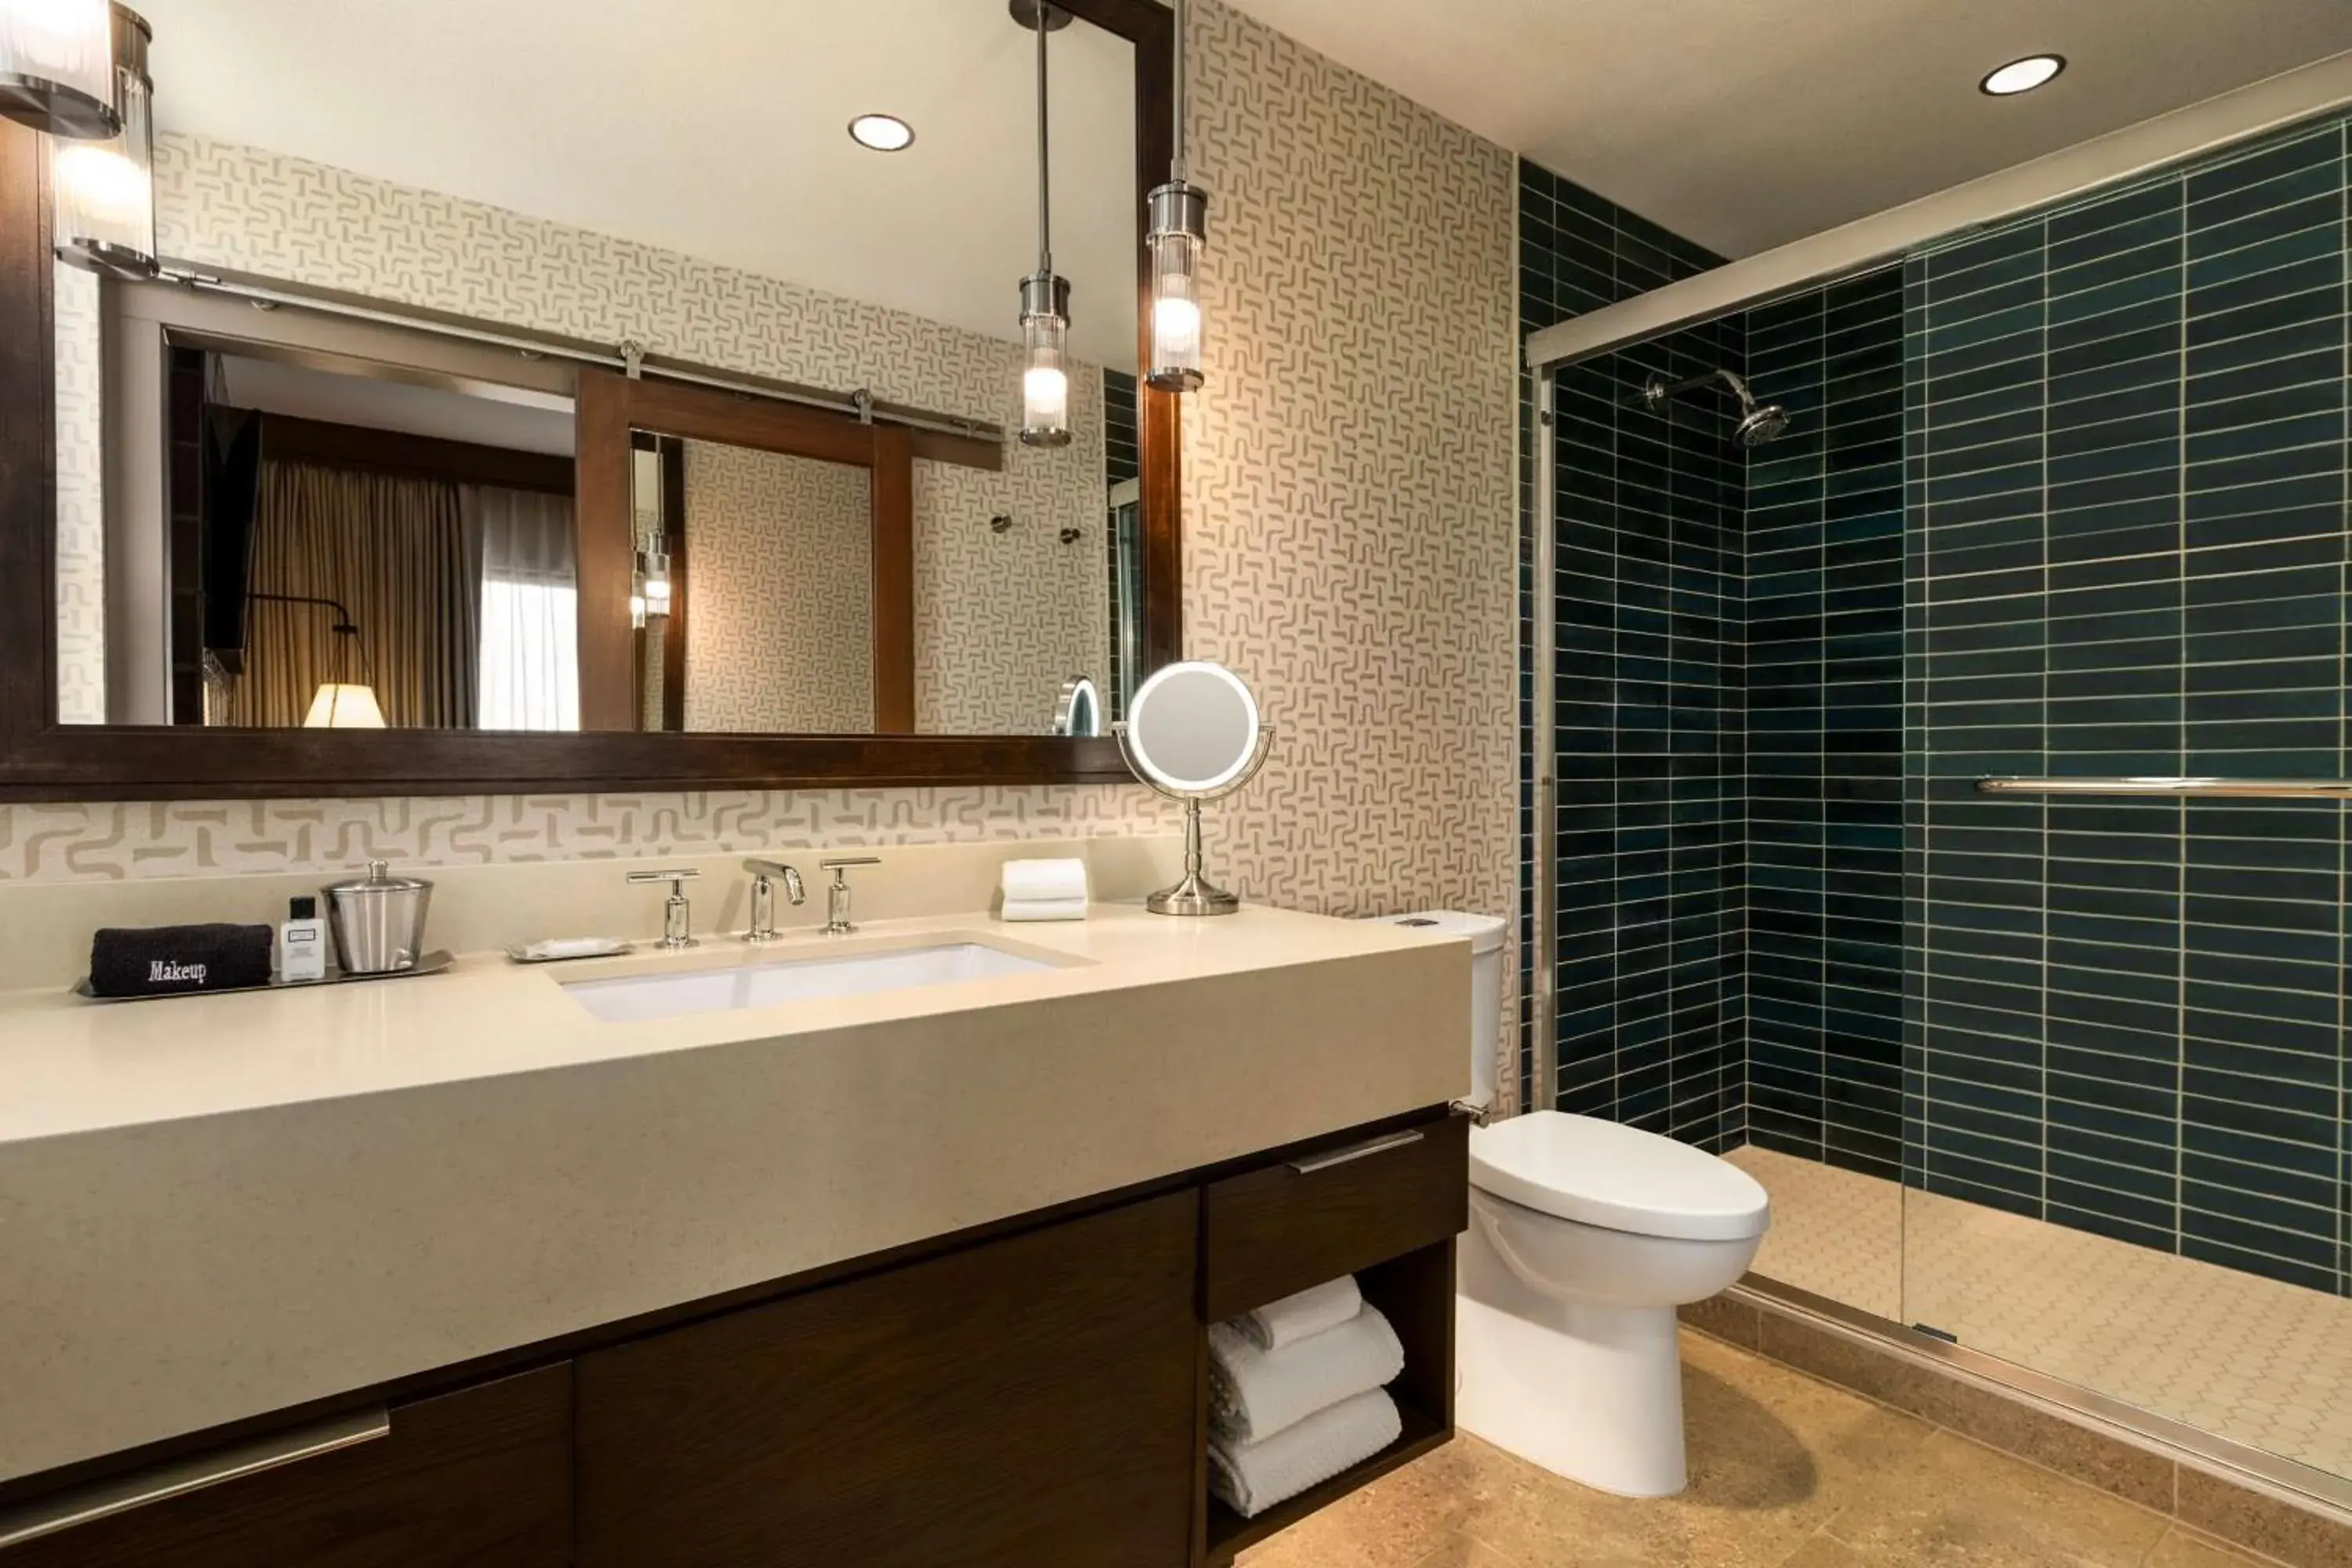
x=647, y=418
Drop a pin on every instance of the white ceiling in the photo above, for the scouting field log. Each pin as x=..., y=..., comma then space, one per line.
x=712, y=127
x=1743, y=125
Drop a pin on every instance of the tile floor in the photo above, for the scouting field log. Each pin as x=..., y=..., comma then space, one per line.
x=2252, y=1359
x=1784, y=1471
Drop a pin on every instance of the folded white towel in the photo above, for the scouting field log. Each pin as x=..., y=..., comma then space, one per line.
x=1026, y=880
x=1253, y=1477
x=1294, y=1318
x=1253, y=1393
x=1042, y=909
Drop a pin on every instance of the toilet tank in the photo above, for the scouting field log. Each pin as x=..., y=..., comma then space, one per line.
x=1485, y=1033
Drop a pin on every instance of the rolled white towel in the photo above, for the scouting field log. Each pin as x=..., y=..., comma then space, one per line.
x=1030, y=880
x=1294, y=1318
x=1253, y=1393
x=1042, y=909
x=1253, y=1477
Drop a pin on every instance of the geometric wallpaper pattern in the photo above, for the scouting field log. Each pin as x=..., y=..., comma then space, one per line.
x=112, y=841
x=780, y=592
x=1348, y=528
x=81, y=518
x=1003, y=619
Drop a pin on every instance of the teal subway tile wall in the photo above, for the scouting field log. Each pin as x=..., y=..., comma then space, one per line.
x=2067, y=496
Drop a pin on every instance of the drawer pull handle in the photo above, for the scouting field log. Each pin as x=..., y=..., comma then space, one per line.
x=1371, y=1146
x=86, y=1505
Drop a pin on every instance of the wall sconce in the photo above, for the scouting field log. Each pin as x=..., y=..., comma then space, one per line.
x=106, y=190
x=339, y=706
x=343, y=702
x=57, y=67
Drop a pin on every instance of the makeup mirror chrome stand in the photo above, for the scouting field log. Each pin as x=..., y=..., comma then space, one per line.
x=1195, y=894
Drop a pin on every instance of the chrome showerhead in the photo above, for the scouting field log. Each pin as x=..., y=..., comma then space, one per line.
x=1759, y=422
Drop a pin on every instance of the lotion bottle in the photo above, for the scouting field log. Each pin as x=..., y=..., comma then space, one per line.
x=302, y=943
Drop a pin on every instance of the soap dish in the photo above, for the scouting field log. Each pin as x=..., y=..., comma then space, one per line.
x=563, y=949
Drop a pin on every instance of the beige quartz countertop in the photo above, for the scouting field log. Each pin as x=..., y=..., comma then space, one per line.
x=218, y=1206
x=71, y=1065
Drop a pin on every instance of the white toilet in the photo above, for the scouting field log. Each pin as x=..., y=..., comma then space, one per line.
x=1584, y=1237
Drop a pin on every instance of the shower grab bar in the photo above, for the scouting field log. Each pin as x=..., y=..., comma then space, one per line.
x=2318, y=789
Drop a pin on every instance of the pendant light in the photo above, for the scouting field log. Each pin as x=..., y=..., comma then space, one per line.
x=1177, y=226
x=656, y=578
x=57, y=67
x=1044, y=296
x=106, y=190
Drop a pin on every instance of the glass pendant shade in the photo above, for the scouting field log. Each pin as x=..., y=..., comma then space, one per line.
x=1178, y=224
x=106, y=190
x=1045, y=375
x=657, y=583
x=57, y=67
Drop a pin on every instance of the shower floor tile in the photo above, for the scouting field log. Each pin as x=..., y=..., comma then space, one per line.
x=2253, y=1360
x=1836, y=1233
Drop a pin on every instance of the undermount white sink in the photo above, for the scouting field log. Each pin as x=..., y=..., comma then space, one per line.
x=764, y=984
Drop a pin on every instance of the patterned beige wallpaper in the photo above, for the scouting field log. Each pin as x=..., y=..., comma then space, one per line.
x=1349, y=537
x=81, y=499
x=194, y=839
x=1003, y=619
x=779, y=602
x=1349, y=518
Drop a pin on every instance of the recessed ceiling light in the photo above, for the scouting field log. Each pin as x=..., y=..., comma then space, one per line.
x=2021, y=76
x=882, y=132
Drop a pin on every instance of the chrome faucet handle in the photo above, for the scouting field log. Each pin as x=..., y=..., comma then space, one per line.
x=765, y=874
x=836, y=897
x=677, y=915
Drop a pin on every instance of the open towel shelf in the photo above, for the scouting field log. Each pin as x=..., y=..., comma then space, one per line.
x=1229, y=1532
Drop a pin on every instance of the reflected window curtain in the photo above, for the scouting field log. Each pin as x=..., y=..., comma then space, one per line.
x=530, y=608
x=393, y=550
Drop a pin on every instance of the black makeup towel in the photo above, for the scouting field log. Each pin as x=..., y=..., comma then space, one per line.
x=160, y=960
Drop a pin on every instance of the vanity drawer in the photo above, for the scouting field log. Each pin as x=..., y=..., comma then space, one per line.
x=1332, y=1210
x=477, y=1479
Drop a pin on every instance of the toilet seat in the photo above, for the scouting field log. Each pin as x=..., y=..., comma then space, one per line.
x=1616, y=1177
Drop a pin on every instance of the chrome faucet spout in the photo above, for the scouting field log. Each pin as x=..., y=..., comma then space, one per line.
x=765, y=874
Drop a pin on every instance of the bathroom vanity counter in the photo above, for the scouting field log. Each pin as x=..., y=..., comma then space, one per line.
x=216, y=1207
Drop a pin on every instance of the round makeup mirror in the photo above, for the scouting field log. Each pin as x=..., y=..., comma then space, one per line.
x=1193, y=726
x=1193, y=732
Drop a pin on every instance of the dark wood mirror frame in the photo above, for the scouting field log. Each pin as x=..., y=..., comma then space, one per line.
x=611, y=410
x=43, y=760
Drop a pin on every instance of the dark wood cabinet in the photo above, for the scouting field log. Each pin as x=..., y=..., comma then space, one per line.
x=477, y=1479
x=1031, y=1393
x=1331, y=1211
x=1028, y=1401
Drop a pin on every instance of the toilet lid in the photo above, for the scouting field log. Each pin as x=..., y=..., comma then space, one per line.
x=1618, y=1178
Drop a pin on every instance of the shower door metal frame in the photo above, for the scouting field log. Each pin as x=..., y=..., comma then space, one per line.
x=1543, y=617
